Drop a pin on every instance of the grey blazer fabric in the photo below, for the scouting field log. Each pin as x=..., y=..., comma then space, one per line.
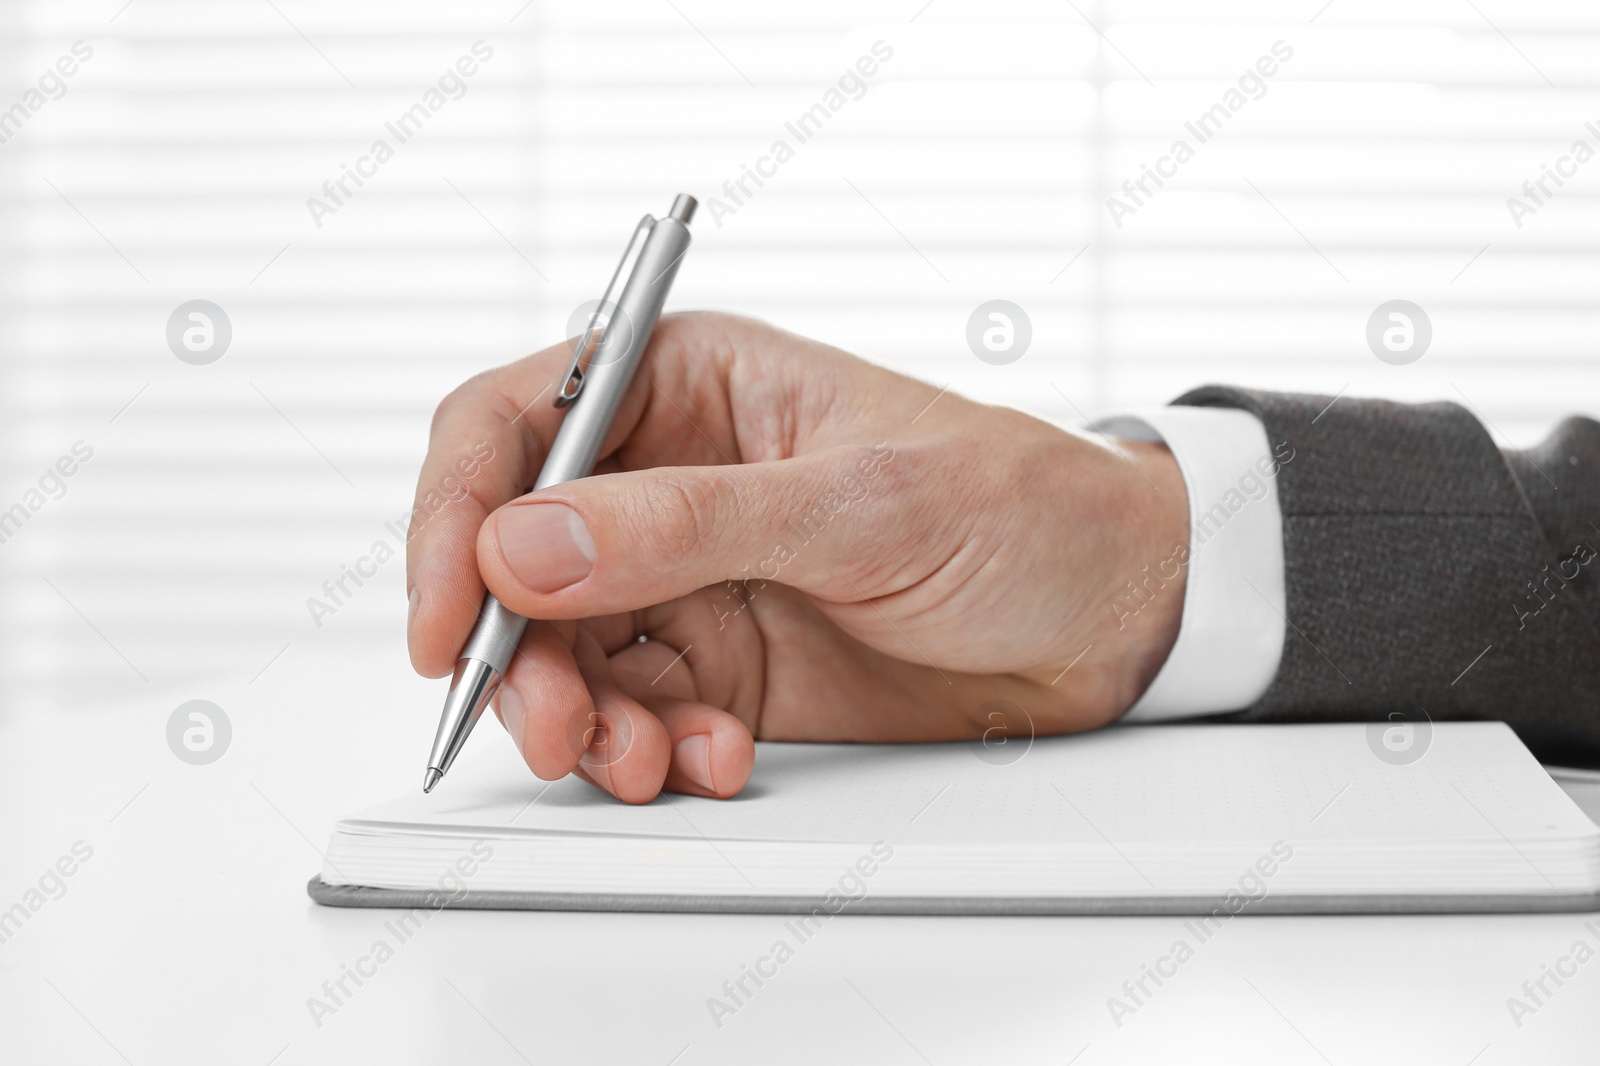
x=1428, y=572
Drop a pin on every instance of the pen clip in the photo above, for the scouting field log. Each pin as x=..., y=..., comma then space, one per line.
x=600, y=321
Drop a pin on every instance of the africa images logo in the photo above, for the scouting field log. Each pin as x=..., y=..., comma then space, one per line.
x=1401, y=739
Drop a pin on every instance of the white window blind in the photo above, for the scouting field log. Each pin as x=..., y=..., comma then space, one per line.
x=975, y=162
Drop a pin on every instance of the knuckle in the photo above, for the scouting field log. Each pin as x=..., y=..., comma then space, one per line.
x=465, y=395
x=681, y=514
x=487, y=399
x=883, y=484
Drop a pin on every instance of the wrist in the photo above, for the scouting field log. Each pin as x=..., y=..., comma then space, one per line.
x=1133, y=623
x=1157, y=594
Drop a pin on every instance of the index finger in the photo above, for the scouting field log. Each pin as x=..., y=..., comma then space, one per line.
x=489, y=438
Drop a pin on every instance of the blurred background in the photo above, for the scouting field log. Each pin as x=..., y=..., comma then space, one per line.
x=176, y=164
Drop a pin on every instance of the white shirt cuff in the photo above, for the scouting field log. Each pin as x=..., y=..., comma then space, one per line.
x=1231, y=635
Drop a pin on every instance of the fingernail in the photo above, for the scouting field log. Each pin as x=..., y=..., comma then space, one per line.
x=412, y=602
x=692, y=757
x=512, y=713
x=546, y=545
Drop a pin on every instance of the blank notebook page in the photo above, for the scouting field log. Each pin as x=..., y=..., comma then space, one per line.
x=1193, y=786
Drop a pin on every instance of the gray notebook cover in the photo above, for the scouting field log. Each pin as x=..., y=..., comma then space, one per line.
x=357, y=896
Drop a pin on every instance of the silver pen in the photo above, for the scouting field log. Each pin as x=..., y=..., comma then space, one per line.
x=617, y=334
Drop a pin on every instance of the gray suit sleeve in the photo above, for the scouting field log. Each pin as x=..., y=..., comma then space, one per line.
x=1426, y=571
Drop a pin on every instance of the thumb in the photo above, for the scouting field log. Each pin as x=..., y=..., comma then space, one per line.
x=618, y=542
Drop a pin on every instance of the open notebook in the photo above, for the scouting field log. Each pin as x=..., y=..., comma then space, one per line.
x=1202, y=819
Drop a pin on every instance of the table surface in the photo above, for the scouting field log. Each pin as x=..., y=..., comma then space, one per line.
x=188, y=936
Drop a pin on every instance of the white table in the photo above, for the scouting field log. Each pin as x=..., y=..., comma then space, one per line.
x=188, y=936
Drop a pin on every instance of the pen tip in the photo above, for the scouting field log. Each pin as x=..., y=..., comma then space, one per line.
x=431, y=778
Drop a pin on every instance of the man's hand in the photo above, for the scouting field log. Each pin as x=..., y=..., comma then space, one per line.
x=782, y=541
